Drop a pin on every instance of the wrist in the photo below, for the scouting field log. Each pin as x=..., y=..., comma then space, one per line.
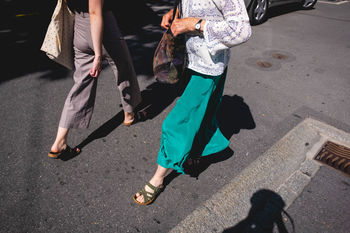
x=198, y=27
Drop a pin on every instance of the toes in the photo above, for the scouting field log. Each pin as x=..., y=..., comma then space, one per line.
x=77, y=150
x=140, y=199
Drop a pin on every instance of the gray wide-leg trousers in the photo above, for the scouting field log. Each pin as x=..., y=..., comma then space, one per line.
x=79, y=105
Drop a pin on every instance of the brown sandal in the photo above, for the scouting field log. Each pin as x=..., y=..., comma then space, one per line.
x=67, y=150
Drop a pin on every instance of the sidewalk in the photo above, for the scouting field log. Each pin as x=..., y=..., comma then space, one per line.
x=92, y=192
x=255, y=200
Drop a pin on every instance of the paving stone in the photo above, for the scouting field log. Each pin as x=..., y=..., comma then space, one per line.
x=309, y=167
x=297, y=182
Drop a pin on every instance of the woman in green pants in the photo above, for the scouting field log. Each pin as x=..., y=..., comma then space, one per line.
x=211, y=27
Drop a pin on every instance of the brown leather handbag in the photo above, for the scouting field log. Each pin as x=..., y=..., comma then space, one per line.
x=170, y=56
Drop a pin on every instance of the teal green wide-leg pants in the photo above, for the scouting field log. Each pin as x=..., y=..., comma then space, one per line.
x=191, y=128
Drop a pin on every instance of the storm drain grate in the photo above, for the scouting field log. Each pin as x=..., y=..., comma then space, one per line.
x=336, y=156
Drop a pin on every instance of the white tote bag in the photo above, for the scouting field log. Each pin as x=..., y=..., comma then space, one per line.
x=58, y=42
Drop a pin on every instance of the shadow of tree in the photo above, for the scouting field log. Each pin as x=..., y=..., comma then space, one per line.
x=265, y=213
x=23, y=25
x=140, y=24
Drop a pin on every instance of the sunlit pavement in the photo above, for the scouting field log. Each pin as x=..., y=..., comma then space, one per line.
x=265, y=97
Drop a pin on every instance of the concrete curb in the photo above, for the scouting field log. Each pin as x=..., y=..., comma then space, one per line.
x=286, y=168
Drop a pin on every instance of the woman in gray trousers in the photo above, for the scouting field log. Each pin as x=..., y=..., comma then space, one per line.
x=96, y=36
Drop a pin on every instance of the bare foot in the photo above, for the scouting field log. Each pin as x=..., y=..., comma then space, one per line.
x=58, y=147
x=129, y=118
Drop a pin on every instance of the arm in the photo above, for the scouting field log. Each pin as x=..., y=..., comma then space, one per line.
x=166, y=19
x=96, y=22
x=234, y=29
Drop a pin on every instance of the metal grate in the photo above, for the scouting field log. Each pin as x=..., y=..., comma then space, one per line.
x=336, y=156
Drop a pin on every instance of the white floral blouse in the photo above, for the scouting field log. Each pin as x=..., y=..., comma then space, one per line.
x=227, y=25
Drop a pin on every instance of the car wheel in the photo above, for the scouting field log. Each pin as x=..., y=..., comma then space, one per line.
x=307, y=4
x=258, y=11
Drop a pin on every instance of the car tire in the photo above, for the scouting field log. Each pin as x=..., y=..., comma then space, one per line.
x=307, y=4
x=258, y=11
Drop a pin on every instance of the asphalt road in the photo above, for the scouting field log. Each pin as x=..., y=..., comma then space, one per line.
x=306, y=73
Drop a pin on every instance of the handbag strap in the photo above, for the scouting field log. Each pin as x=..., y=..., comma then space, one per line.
x=177, y=5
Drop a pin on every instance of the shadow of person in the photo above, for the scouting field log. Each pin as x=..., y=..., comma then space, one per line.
x=194, y=167
x=155, y=98
x=233, y=115
x=100, y=132
x=265, y=213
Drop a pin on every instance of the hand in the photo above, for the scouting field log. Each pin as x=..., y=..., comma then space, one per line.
x=183, y=25
x=96, y=67
x=167, y=18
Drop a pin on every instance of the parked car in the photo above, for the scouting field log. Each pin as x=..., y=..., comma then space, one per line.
x=257, y=9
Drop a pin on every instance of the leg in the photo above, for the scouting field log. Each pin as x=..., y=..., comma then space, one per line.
x=118, y=56
x=180, y=128
x=78, y=107
x=185, y=122
x=60, y=146
x=61, y=140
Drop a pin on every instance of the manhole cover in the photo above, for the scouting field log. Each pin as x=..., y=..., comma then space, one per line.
x=264, y=64
x=336, y=156
x=279, y=56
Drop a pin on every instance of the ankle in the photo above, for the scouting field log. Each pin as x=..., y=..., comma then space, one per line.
x=157, y=181
x=58, y=146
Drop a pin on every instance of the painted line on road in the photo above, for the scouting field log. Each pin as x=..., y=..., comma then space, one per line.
x=25, y=15
x=334, y=3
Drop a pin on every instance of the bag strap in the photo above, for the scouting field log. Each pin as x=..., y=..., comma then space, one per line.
x=217, y=7
x=177, y=5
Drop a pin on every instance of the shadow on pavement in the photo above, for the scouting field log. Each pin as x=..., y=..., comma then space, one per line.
x=233, y=115
x=265, y=213
x=155, y=98
x=195, y=166
x=23, y=25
